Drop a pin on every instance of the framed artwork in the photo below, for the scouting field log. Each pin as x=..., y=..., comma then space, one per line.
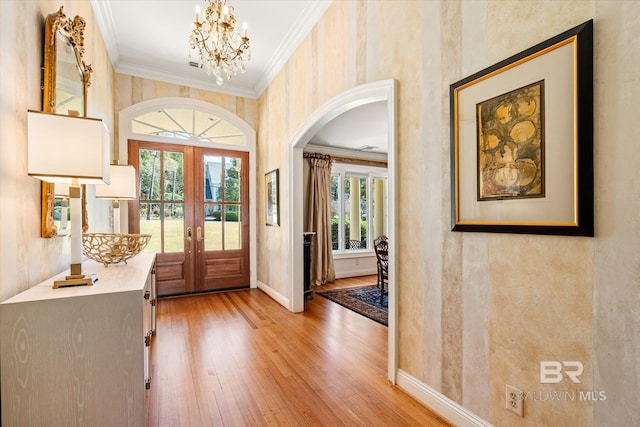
x=272, y=198
x=522, y=141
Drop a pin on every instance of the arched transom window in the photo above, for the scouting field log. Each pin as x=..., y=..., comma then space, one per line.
x=188, y=124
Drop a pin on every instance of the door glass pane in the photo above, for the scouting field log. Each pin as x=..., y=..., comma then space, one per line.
x=232, y=229
x=212, y=227
x=172, y=123
x=150, y=223
x=174, y=227
x=213, y=129
x=162, y=212
x=173, y=176
x=149, y=165
x=212, y=178
x=232, y=179
x=187, y=123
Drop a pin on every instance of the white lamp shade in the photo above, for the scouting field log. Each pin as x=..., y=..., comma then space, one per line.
x=67, y=148
x=123, y=184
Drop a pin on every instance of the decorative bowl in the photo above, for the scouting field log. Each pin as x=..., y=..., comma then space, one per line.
x=110, y=248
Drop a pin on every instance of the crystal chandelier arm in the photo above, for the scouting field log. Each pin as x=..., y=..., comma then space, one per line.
x=220, y=47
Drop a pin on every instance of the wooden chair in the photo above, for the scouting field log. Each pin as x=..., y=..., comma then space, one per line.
x=381, y=246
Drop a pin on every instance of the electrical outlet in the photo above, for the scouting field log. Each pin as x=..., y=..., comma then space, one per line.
x=514, y=400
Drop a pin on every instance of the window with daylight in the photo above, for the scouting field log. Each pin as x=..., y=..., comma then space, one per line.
x=161, y=199
x=188, y=124
x=358, y=207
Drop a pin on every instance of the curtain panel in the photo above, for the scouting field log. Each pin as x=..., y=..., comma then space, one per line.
x=319, y=218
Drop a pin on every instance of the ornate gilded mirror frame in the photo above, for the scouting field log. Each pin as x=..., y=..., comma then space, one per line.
x=66, y=79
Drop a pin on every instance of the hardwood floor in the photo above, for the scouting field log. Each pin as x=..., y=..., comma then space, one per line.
x=349, y=282
x=241, y=359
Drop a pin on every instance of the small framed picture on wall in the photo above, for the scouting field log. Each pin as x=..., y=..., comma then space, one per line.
x=272, y=198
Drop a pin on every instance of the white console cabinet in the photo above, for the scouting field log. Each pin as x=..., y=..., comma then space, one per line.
x=79, y=355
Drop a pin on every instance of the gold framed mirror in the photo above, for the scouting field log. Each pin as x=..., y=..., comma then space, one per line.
x=65, y=82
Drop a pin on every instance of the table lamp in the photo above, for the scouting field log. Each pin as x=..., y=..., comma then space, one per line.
x=70, y=150
x=122, y=187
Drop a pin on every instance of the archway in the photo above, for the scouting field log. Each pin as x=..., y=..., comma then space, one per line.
x=372, y=92
x=126, y=132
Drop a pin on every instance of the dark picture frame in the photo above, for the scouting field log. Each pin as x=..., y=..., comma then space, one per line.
x=272, y=198
x=522, y=141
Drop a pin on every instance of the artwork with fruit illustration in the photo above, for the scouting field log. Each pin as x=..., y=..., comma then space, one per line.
x=510, y=138
x=522, y=141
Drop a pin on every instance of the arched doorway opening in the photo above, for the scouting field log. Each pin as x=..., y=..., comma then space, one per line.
x=372, y=92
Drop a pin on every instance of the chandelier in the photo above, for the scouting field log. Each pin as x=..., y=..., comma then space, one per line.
x=221, y=48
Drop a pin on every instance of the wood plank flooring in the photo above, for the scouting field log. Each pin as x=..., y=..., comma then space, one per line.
x=241, y=359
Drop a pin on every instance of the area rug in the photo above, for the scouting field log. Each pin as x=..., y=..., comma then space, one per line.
x=364, y=300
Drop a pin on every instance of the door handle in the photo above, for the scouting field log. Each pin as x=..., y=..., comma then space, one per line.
x=189, y=232
x=199, y=237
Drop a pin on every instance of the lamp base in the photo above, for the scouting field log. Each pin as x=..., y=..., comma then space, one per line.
x=75, y=280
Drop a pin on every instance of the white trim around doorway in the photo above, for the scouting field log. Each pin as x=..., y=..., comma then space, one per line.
x=384, y=90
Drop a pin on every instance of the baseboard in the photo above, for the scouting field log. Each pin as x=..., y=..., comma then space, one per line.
x=275, y=295
x=439, y=403
x=355, y=273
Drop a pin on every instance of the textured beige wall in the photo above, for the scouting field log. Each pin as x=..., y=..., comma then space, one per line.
x=617, y=246
x=487, y=308
x=273, y=262
x=25, y=258
x=541, y=308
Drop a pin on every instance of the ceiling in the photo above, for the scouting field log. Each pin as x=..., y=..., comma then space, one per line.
x=363, y=128
x=149, y=39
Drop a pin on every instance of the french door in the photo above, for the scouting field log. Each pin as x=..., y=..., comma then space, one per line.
x=195, y=203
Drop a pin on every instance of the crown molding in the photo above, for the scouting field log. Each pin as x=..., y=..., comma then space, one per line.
x=104, y=18
x=304, y=23
x=178, y=79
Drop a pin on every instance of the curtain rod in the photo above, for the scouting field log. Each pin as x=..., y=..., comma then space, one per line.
x=309, y=155
x=362, y=162
x=349, y=160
